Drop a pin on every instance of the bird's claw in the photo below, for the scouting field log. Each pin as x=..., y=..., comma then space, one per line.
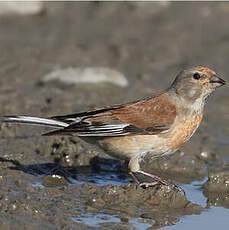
x=151, y=184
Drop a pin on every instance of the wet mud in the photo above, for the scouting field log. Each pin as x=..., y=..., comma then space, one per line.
x=64, y=183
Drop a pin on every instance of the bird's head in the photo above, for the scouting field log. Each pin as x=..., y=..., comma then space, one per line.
x=196, y=83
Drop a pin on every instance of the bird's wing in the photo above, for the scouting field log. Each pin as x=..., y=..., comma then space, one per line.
x=149, y=116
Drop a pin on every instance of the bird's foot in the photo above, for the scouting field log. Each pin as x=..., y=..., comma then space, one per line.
x=178, y=189
x=158, y=181
x=152, y=184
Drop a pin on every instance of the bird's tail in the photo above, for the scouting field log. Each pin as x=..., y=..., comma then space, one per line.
x=33, y=121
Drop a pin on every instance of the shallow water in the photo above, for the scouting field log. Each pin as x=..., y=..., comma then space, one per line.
x=210, y=218
x=213, y=218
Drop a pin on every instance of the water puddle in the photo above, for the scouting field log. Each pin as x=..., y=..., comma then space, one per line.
x=101, y=219
x=211, y=217
x=214, y=218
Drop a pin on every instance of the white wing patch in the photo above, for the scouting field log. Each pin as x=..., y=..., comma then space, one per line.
x=98, y=130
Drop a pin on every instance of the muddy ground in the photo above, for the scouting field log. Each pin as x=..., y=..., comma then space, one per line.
x=63, y=183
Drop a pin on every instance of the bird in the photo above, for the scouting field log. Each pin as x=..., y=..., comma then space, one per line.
x=157, y=125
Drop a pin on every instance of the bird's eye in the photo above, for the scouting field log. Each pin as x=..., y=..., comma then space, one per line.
x=196, y=76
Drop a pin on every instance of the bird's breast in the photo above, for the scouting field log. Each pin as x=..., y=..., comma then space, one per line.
x=183, y=129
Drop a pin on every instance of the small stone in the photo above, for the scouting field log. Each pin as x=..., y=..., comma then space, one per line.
x=21, y=8
x=87, y=75
x=54, y=181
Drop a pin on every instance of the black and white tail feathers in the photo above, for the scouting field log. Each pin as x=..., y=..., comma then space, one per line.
x=68, y=125
x=34, y=121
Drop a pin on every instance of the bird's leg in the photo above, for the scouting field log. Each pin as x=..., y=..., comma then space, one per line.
x=134, y=168
x=158, y=180
x=134, y=178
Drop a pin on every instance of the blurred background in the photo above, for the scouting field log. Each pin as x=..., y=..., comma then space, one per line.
x=63, y=57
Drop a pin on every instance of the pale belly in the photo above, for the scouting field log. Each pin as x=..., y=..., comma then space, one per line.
x=128, y=146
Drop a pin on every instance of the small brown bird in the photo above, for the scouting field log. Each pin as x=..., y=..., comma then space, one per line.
x=157, y=125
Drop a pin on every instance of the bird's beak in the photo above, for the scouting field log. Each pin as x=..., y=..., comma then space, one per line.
x=217, y=80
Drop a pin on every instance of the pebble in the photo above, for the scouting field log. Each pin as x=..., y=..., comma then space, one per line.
x=21, y=8
x=92, y=75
